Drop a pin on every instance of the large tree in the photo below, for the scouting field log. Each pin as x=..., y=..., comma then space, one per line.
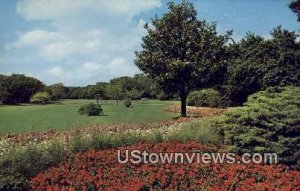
x=181, y=52
x=18, y=88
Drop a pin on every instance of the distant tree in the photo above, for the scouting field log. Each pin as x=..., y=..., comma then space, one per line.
x=115, y=92
x=57, y=91
x=295, y=7
x=92, y=91
x=18, y=88
x=79, y=93
x=133, y=94
x=181, y=52
x=100, y=89
x=126, y=83
x=3, y=88
x=147, y=87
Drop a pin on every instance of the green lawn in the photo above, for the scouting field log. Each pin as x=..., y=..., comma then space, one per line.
x=64, y=115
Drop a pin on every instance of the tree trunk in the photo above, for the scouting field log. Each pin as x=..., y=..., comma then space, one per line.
x=183, y=105
x=117, y=102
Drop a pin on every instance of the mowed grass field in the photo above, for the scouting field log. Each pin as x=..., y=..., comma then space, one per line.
x=63, y=115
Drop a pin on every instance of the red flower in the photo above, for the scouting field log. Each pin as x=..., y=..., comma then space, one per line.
x=100, y=170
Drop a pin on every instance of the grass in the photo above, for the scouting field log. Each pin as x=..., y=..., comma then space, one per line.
x=63, y=115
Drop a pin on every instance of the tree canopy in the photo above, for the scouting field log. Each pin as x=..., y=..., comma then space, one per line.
x=181, y=52
x=257, y=63
x=18, y=88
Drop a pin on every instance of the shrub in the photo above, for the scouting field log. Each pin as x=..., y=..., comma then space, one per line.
x=127, y=102
x=40, y=97
x=91, y=110
x=267, y=123
x=203, y=131
x=205, y=98
x=18, y=165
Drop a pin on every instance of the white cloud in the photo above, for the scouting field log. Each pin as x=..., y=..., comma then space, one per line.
x=119, y=66
x=56, y=71
x=84, y=41
x=36, y=38
x=58, y=9
x=92, y=66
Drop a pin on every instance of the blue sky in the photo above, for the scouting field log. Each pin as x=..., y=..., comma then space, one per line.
x=82, y=42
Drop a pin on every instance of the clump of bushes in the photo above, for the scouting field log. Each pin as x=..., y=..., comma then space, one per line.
x=205, y=98
x=127, y=102
x=91, y=109
x=40, y=98
x=269, y=122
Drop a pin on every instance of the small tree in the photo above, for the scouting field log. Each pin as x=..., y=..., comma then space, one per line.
x=115, y=92
x=181, y=52
x=40, y=97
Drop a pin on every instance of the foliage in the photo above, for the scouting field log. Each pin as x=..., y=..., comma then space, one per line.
x=205, y=98
x=257, y=63
x=115, y=92
x=267, y=123
x=57, y=91
x=162, y=96
x=203, y=131
x=295, y=7
x=135, y=88
x=91, y=109
x=127, y=102
x=182, y=53
x=17, y=166
x=100, y=171
x=18, y=88
x=40, y=97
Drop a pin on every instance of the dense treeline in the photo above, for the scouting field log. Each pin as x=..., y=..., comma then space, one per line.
x=18, y=88
x=257, y=63
x=120, y=88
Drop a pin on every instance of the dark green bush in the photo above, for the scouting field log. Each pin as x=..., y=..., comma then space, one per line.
x=205, y=98
x=269, y=122
x=127, y=102
x=91, y=110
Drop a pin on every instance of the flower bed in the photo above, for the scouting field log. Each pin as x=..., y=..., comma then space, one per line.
x=99, y=170
x=198, y=111
x=38, y=136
